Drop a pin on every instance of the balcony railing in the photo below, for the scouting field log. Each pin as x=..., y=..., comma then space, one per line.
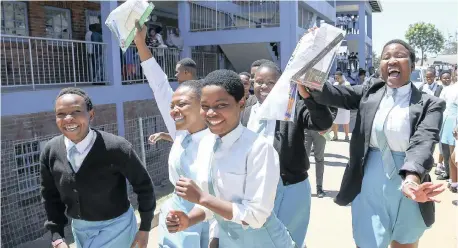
x=223, y=15
x=37, y=62
x=32, y=62
x=131, y=69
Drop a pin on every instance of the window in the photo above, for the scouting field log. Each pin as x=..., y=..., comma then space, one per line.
x=14, y=18
x=92, y=16
x=27, y=155
x=58, y=23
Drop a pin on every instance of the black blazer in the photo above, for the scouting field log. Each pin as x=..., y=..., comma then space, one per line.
x=425, y=119
x=438, y=91
x=289, y=137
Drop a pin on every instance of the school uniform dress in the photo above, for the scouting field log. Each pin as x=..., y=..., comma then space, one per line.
x=293, y=197
x=242, y=168
x=88, y=182
x=181, y=162
x=395, y=132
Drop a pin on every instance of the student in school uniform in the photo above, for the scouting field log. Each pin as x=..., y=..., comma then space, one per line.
x=246, y=80
x=387, y=179
x=254, y=66
x=431, y=87
x=181, y=113
x=83, y=176
x=238, y=185
x=292, y=204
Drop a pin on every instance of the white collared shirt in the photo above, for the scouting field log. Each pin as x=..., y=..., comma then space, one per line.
x=245, y=172
x=253, y=124
x=83, y=148
x=428, y=90
x=397, y=124
x=187, y=157
x=450, y=96
x=162, y=91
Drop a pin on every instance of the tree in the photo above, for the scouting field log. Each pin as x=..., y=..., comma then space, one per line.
x=375, y=60
x=425, y=37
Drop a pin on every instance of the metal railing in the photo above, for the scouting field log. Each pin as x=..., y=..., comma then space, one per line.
x=222, y=15
x=206, y=62
x=34, y=62
x=131, y=71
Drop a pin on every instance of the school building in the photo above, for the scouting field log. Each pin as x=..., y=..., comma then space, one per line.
x=44, y=49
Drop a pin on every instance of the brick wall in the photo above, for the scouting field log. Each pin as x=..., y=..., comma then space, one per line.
x=77, y=9
x=23, y=215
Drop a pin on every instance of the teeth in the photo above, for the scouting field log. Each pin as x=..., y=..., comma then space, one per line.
x=71, y=127
x=215, y=122
x=179, y=118
x=264, y=93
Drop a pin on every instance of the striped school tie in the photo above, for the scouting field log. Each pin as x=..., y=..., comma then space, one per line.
x=179, y=162
x=221, y=222
x=389, y=165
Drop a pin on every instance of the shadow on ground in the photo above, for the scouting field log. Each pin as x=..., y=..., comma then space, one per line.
x=335, y=156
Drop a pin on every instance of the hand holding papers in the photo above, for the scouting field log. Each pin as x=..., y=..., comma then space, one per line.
x=121, y=20
x=309, y=65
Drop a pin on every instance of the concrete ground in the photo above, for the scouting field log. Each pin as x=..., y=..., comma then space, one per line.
x=330, y=224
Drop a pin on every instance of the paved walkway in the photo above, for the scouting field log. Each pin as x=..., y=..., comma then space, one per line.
x=330, y=224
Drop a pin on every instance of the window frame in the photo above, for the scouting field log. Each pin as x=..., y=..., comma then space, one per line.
x=70, y=31
x=26, y=19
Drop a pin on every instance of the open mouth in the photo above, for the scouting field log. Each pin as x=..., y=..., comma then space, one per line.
x=214, y=122
x=394, y=73
x=178, y=118
x=71, y=128
x=264, y=94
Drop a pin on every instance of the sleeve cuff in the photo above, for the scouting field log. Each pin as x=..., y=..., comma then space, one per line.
x=57, y=234
x=146, y=219
x=413, y=168
x=236, y=214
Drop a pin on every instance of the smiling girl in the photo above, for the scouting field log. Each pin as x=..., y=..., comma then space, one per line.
x=180, y=110
x=238, y=186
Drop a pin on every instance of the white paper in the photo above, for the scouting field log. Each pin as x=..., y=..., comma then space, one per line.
x=121, y=20
x=309, y=65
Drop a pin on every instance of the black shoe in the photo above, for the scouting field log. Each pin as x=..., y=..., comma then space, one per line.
x=443, y=176
x=320, y=193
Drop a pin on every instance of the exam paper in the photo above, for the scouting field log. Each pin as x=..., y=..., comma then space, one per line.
x=121, y=20
x=309, y=65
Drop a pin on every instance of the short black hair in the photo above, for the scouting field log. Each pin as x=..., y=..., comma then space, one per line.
x=259, y=62
x=404, y=44
x=79, y=92
x=338, y=73
x=189, y=65
x=245, y=74
x=431, y=69
x=227, y=79
x=362, y=72
x=445, y=72
x=271, y=66
x=195, y=85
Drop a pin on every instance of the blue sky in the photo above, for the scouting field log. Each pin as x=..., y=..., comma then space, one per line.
x=394, y=21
